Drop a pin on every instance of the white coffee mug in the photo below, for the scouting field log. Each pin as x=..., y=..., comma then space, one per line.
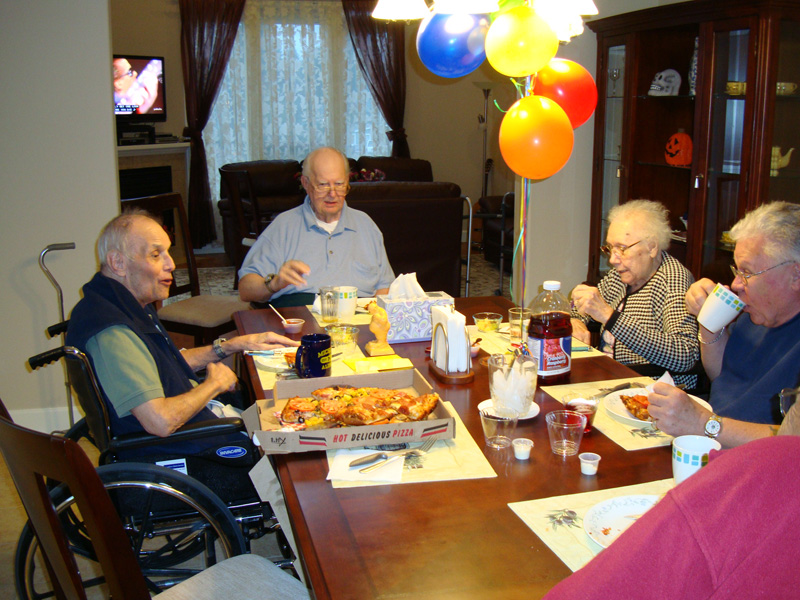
x=720, y=308
x=348, y=297
x=690, y=454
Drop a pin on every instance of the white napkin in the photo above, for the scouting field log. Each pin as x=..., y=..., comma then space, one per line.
x=316, y=307
x=405, y=287
x=665, y=378
x=452, y=356
x=341, y=470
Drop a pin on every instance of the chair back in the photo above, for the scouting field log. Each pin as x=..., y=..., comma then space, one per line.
x=169, y=210
x=33, y=457
x=83, y=381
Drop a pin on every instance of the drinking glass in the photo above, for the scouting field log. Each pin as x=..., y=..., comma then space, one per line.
x=328, y=304
x=787, y=399
x=518, y=320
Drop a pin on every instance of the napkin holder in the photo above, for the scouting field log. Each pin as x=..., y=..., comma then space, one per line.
x=441, y=375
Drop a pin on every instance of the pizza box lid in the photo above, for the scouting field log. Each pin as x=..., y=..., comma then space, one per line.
x=265, y=428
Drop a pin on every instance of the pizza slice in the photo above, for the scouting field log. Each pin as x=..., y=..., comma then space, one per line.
x=637, y=405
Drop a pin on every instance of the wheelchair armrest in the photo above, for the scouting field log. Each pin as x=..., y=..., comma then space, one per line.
x=192, y=431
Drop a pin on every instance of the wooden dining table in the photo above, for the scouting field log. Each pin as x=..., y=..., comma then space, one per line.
x=452, y=539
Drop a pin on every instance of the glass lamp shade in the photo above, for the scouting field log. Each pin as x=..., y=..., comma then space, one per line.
x=401, y=10
x=469, y=7
x=585, y=7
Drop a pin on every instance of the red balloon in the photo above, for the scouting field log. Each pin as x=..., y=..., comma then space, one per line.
x=571, y=86
x=536, y=137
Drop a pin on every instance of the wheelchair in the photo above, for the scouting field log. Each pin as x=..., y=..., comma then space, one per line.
x=178, y=522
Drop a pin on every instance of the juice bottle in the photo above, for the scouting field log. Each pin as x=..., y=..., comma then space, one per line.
x=550, y=334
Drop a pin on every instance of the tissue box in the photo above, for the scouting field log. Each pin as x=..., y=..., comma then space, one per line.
x=411, y=319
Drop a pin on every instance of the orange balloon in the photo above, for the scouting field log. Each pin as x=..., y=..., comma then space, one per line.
x=519, y=42
x=536, y=137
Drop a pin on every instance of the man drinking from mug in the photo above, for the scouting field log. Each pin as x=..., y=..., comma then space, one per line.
x=751, y=360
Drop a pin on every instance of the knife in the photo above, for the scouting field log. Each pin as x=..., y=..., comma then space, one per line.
x=616, y=388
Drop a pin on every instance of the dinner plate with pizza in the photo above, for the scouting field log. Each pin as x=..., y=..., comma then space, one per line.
x=631, y=406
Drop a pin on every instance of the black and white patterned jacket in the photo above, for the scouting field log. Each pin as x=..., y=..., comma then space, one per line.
x=652, y=325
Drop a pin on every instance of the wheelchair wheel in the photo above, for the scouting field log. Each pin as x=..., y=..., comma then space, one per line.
x=176, y=525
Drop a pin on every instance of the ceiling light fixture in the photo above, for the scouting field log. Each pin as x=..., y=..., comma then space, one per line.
x=401, y=10
x=466, y=7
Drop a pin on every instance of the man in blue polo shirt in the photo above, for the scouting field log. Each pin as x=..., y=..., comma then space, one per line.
x=322, y=242
x=755, y=357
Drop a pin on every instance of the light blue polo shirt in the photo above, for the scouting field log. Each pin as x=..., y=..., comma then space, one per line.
x=352, y=255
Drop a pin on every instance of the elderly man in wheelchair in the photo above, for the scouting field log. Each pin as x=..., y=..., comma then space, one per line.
x=146, y=409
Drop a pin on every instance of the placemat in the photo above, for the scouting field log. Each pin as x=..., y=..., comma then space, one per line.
x=448, y=460
x=268, y=369
x=558, y=521
x=498, y=342
x=628, y=436
x=362, y=317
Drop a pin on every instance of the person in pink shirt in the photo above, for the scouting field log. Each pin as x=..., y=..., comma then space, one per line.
x=730, y=531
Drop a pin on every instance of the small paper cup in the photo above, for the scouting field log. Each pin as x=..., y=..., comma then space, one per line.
x=522, y=448
x=720, y=308
x=589, y=462
x=293, y=325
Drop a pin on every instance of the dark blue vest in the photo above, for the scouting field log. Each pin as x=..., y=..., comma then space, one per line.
x=106, y=303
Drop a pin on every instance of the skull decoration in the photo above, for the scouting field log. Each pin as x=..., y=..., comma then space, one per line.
x=665, y=83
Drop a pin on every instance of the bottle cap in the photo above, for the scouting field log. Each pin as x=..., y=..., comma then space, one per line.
x=552, y=285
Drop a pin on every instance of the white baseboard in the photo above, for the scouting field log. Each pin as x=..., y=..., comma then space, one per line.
x=46, y=420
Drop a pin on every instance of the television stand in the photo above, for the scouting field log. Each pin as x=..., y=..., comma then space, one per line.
x=129, y=134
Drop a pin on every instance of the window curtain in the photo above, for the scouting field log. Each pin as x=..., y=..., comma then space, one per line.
x=380, y=48
x=292, y=84
x=208, y=30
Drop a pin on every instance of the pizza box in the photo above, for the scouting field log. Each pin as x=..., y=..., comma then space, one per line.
x=265, y=428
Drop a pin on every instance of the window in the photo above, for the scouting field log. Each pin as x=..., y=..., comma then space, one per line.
x=292, y=84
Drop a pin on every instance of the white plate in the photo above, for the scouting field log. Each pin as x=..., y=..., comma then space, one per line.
x=606, y=520
x=488, y=405
x=617, y=409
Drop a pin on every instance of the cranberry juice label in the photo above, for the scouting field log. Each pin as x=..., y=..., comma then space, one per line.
x=554, y=354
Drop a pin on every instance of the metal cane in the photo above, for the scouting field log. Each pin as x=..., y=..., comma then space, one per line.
x=51, y=248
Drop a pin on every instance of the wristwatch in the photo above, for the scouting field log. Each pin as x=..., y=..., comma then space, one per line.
x=267, y=281
x=217, y=346
x=713, y=426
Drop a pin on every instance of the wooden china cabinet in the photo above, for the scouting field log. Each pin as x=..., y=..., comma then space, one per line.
x=742, y=109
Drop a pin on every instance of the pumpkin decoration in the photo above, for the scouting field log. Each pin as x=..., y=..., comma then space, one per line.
x=678, y=151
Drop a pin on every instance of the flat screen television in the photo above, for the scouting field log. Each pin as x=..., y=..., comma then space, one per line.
x=139, y=91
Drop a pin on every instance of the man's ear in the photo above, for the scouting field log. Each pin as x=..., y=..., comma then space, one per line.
x=116, y=263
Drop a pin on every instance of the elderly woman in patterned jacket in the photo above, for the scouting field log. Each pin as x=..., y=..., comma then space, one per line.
x=640, y=302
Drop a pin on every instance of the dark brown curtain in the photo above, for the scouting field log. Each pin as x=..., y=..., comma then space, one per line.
x=380, y=49
x=208, y=30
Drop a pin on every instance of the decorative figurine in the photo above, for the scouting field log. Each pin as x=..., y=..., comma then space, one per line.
x=379, y=326
x=678, y=151
x=778, y=161
x=665, y=83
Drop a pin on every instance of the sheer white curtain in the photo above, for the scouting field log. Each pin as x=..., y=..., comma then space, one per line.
x=292, y=84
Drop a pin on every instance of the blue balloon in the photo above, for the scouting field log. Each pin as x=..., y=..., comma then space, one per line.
x=452, y=45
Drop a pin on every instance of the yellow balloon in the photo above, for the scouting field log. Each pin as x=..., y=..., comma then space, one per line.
x=519, y=42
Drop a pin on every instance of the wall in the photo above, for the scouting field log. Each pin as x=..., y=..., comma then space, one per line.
x=58, y=177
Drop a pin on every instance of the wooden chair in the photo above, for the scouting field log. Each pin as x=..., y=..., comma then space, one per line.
x=249, y=224
x=32, y=457
x=203, y=316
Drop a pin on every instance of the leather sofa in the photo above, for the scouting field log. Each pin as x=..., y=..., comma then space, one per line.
x=421, y=220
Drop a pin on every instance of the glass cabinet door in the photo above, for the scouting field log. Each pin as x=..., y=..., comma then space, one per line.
x=724, y=185
x=784, y=167
x=612, y=151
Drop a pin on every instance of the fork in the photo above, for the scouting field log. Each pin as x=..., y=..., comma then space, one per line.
x=400, y=454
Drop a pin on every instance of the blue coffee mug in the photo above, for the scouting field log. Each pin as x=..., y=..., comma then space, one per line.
x=313, y=357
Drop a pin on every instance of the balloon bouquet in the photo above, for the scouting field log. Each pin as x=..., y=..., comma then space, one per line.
x=558, y=95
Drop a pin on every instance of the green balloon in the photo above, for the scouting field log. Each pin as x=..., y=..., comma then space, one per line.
x=506, y=5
